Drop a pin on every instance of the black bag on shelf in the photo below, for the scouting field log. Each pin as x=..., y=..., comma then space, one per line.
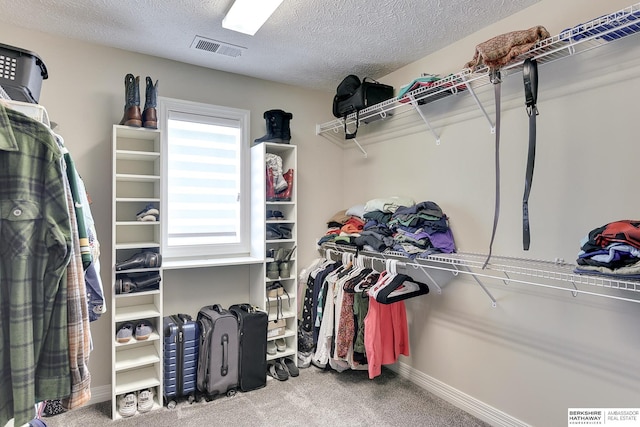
x=353, y=96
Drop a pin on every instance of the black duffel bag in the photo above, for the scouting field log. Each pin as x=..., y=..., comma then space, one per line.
x=353, y=96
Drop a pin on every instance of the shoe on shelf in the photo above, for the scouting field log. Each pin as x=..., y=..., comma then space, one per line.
x=274, y=215
x=273, y=271
x=281, y=344
x=271, y=348
x=145, y=400
x=291, y=367
x=273, y=232
x=275, y=290
x=144, y=259
x=278, y=254
x=285, y=232
x=127, y=404
x=149, y=213
x=124, y=333
x=143, y=330
x=284, y=269
x=277, y=371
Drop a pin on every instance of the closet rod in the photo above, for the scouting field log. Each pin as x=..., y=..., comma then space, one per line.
x=504, y=269
x=404, y=264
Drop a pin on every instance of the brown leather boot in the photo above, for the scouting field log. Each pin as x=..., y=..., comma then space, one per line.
x=286, y=194
x=132, y=116
x=149, y=114
x=271, y=192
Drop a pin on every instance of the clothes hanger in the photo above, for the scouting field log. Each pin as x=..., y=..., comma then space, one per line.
x=360, y=272
x=386, y=276
x=401, y=287
x=369, y=280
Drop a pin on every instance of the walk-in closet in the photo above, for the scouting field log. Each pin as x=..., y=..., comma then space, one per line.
x=197, y=227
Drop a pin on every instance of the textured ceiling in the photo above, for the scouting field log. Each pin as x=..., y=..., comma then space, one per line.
x=314, y=43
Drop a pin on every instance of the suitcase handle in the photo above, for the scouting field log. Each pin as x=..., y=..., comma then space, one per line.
x=184, y=317
x=224, y=369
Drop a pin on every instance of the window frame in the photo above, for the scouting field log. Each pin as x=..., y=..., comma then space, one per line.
x=183, y=109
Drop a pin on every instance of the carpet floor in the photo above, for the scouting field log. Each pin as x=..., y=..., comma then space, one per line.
x=315, y=398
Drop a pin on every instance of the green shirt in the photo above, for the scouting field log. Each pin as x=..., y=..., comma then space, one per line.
x=35, y=242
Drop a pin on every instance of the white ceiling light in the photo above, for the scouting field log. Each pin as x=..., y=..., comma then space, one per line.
x=247, y=16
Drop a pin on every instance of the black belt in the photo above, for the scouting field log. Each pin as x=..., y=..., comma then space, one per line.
x=495, y=78
x=530, y=77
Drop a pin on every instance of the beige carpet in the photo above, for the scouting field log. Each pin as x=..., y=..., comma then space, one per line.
x=315, y=398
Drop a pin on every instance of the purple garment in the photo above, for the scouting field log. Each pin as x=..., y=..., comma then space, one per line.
x=443, y=241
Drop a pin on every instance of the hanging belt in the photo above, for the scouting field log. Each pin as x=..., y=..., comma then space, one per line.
x=496, y=80
x=530, y=77
x=348, y=135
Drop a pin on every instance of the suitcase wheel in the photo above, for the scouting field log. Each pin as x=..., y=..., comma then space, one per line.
x=171, y=404
x=231, y=393
x=191, y=398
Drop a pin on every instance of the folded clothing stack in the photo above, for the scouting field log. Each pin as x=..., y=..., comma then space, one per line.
x=611, y=250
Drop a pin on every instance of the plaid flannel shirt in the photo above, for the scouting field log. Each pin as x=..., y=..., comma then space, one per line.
x=35, y=242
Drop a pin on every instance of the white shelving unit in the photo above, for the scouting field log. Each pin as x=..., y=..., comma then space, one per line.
x=263, y=247
x=136, y=365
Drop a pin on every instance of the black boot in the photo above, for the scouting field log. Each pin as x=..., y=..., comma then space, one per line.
x=149, y=115
x=277, y=127
x=131, y=115
x=286, y=130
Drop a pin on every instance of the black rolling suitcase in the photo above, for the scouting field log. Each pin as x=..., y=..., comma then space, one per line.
x=181, y=343
x=219, y=347
x=253, y=346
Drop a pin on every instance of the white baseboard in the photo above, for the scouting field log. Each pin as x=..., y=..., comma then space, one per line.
x=100, y=394
x=457, y=398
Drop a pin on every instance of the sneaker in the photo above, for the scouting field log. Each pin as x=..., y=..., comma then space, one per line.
x=281, y=344
x=143, y=330
x=124, y=333
x=145, y=400
x=271, y=348
x=127, y=404
x=149, y=213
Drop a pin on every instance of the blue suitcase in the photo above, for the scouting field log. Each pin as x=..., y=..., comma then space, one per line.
x=181, y=345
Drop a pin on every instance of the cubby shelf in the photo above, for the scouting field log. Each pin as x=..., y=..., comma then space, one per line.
x=137, y=364
x=258, y=272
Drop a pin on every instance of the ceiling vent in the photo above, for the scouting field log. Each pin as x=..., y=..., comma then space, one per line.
x=215, y=46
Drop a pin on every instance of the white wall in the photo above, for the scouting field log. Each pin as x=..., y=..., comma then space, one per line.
x=540, y=351
x=85, y=96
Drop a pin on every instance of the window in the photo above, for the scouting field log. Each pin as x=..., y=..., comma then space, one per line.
x=205, y=186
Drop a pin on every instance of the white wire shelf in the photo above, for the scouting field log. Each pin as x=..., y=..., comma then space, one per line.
x=557, y=275
x=572, y=41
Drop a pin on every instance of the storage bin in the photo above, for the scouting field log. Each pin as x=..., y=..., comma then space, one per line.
x=21, y=73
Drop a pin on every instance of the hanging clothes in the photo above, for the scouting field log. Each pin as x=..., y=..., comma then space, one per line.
x=77, y=308
x=35, y=249
x=386, y=334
